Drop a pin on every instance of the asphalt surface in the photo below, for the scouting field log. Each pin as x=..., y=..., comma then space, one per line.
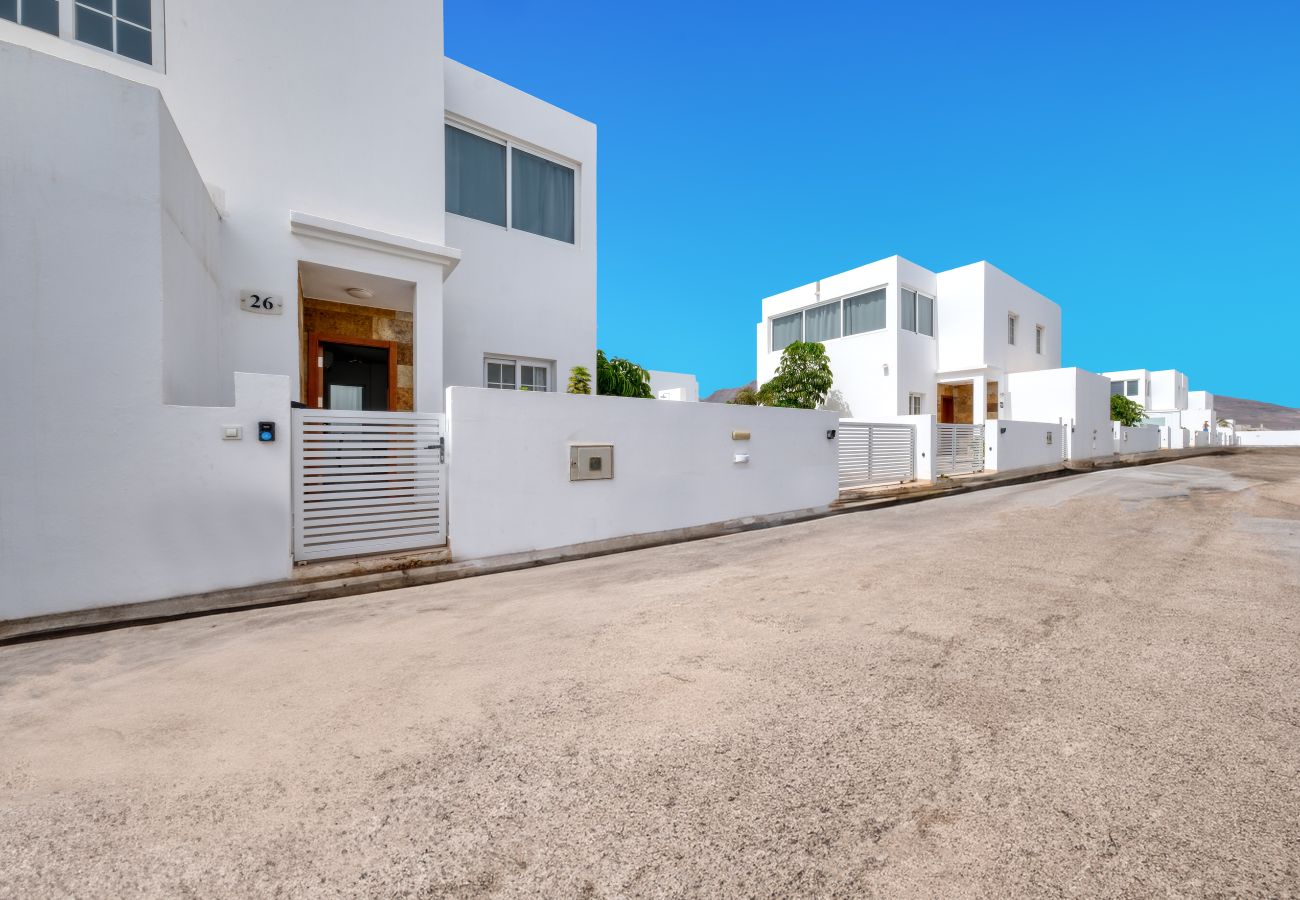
x=1082, y=687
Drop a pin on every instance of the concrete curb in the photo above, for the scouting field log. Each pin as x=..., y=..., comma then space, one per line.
x=297, y=590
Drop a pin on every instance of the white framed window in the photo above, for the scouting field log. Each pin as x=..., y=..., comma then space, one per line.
x=494, y=180
x=43, y=15
x=864, y=312
x=822, y=323
x=786, y=330
x=1117, y=387
x=1012, y=321
x=131, y=29
x=914, y=404
x=507, y=374
x=916, y=312
x=1038, y=339
x=1131, y=388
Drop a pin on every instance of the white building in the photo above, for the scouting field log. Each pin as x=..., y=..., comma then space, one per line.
x=195, y=190
x=903, y=340
x=674, y=386
x=1164, y=396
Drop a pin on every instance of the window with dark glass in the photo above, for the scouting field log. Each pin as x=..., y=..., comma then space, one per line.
x=541, y=196
x=822, y=323
x=865, y=312
x=124, y=27
x=43, y=15
x=476, y=176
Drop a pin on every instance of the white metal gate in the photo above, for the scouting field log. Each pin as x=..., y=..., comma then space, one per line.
x=367, y=482
x=960, y=450
x=874, y=453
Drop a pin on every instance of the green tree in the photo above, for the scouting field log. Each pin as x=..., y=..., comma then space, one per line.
x=1125, y=411
x=803, y=378
x=618, y=377
x=746, y=396
x=579, y=380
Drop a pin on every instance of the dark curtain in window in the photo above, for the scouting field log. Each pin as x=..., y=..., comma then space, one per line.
x=541, y=196
x=476, y=177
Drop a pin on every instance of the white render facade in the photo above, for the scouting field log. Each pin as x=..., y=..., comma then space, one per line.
x=201, y=158
x=1164, y=396
x=904, y=340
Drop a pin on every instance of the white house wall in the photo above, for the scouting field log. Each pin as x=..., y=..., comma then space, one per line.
x=293, y=105
x=673, y=467
x=1072, y=396
x=1268, y=438
x=106, y=494
x=1011, y=444
x=674, y=386
x=517, y=294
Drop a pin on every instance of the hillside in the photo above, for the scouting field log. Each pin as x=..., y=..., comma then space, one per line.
x=1252, y=413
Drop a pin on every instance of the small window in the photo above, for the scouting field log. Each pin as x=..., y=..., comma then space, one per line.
x=1038, y=339
x=822, y=323
x=516, y=375
x=1132, y=389
x=541, y=196
x=43, y=15
x=533, y=378
x=865, y=312
x=1011, y=329
x=914, y=402
x=907, y=309
x=476, y=176
x=925, y=315
x=124, y=27
x=1117, y=387
x=786, y=330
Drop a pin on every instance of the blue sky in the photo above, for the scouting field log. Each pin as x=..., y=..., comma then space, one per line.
x=1138, y=163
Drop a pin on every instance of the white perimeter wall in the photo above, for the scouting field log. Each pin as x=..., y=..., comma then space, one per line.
x=107, y=495
x=1072, y=396
x=1268, y=438
x=1022, y=445
x=1143, y=439
x=673, y=467
x=517, y=294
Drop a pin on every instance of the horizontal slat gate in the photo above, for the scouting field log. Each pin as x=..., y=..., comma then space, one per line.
x=960, y=450
x=874, y=453
x=367, y=482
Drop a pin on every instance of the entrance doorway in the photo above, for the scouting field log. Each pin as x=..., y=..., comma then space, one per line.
x=946, y=412
x=350, y=373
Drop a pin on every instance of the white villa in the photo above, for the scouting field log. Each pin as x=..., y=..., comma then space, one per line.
x=903, y=340
x=1163, y=394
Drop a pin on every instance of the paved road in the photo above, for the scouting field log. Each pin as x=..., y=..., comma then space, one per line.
x=1083, y=687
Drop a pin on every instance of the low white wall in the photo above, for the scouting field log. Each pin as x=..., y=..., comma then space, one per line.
x=509, y=488
x=146, y=503
x=1142, y=439
x=1268, y=438
x=1010, y=444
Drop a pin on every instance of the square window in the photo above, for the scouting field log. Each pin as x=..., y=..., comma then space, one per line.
x=822, y=323
x=865, y=312
x=786, y=330
x=1132, y=389
x=914, y=402
x=533, y=378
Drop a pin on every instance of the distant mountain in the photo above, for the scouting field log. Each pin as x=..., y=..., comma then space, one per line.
x=726, y=395
x=1253, y=414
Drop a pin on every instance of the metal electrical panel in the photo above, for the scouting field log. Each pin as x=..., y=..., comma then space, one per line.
x=591, y=462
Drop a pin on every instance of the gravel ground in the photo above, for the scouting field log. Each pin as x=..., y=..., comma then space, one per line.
x=1081, y=687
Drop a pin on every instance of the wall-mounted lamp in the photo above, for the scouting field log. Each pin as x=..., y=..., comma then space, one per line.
x=830, y=434
x=885, y=366
x=360, y=293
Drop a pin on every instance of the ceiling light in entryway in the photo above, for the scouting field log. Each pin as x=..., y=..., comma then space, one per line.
x=360, y=293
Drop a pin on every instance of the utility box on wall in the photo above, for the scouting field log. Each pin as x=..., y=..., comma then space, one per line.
x=591, y=462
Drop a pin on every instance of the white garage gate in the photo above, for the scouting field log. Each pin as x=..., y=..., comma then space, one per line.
x=876, y=453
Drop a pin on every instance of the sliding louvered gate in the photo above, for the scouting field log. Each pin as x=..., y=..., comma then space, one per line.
x=960, y=450
x=367, y=482
x=872, y=453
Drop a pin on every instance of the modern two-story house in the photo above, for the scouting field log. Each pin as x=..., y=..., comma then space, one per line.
x=904, y=340
x=209, y=211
